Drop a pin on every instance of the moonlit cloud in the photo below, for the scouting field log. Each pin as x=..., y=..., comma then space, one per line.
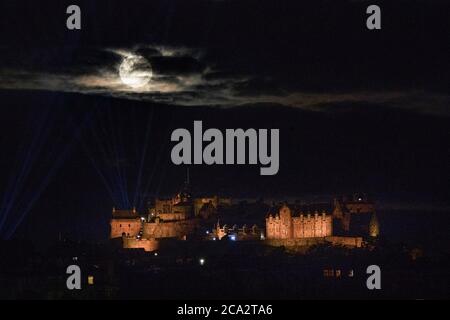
x=181, y=76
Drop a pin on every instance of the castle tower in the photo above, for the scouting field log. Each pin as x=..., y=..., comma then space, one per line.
x=374, y=226
x=184, y=195
x=287, y=230
x=337, y=210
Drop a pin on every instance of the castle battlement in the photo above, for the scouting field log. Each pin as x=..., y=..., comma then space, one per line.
x=286, y=226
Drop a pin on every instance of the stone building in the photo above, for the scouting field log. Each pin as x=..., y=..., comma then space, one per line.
x=125, y=223
x=286, y=224
x=178, y=217
x=347, y=222
x=355, y=215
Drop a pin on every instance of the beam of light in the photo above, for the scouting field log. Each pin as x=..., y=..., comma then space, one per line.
x=106, y=146
x=25, y=162
x=115, y=135
x=112, y=156
x=157, y=165
x=105, y=181
x=144, y=153
x=37, y=193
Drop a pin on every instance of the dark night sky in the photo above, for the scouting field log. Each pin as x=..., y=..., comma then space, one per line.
x=357, y=110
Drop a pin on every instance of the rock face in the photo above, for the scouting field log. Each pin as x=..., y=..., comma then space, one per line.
x=146, y=244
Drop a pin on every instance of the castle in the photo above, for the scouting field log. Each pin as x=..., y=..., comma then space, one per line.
x=178, y=217
x=347, y=222
x=287, y=224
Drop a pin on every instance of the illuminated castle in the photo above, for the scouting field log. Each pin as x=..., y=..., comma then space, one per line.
x=178, y=217
x=347, y=222
x=287, y=224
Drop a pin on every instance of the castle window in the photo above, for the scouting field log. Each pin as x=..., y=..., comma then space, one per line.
x=120, y=226
x=328, y=273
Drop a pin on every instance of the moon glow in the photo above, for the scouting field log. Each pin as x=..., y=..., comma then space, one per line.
x=135, y=71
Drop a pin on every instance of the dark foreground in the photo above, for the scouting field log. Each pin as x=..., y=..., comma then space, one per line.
x=221, y=270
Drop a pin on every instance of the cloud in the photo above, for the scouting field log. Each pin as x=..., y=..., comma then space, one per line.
x=183, y=76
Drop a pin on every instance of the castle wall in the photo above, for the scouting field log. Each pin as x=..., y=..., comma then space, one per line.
x=163, y=206
x=146, y=244
x=346, y=241
x=129, y=227
x=286, y=227
x=350, y=242
x=174, y=216
x=299, y=242
x=174, y=229
x=167, y=210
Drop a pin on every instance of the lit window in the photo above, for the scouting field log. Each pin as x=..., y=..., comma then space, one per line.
x=91, y=280
x=328, y=273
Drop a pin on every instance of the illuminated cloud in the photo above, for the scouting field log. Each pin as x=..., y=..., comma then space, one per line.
x=182, y=76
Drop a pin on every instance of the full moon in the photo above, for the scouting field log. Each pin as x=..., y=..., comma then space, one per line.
x=135, y=71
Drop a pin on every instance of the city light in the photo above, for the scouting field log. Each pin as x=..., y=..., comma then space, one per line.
x=202, y=261
x=233, y=237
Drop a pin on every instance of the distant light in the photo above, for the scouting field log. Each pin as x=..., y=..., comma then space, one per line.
x=233, y=237
x=91, y=280
x=75, y=258
x=142, y=218
x=201, y=261
x=156, y=254
x=359, y=199
x=262, y=237
x=207, y=231
x=214, y=238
